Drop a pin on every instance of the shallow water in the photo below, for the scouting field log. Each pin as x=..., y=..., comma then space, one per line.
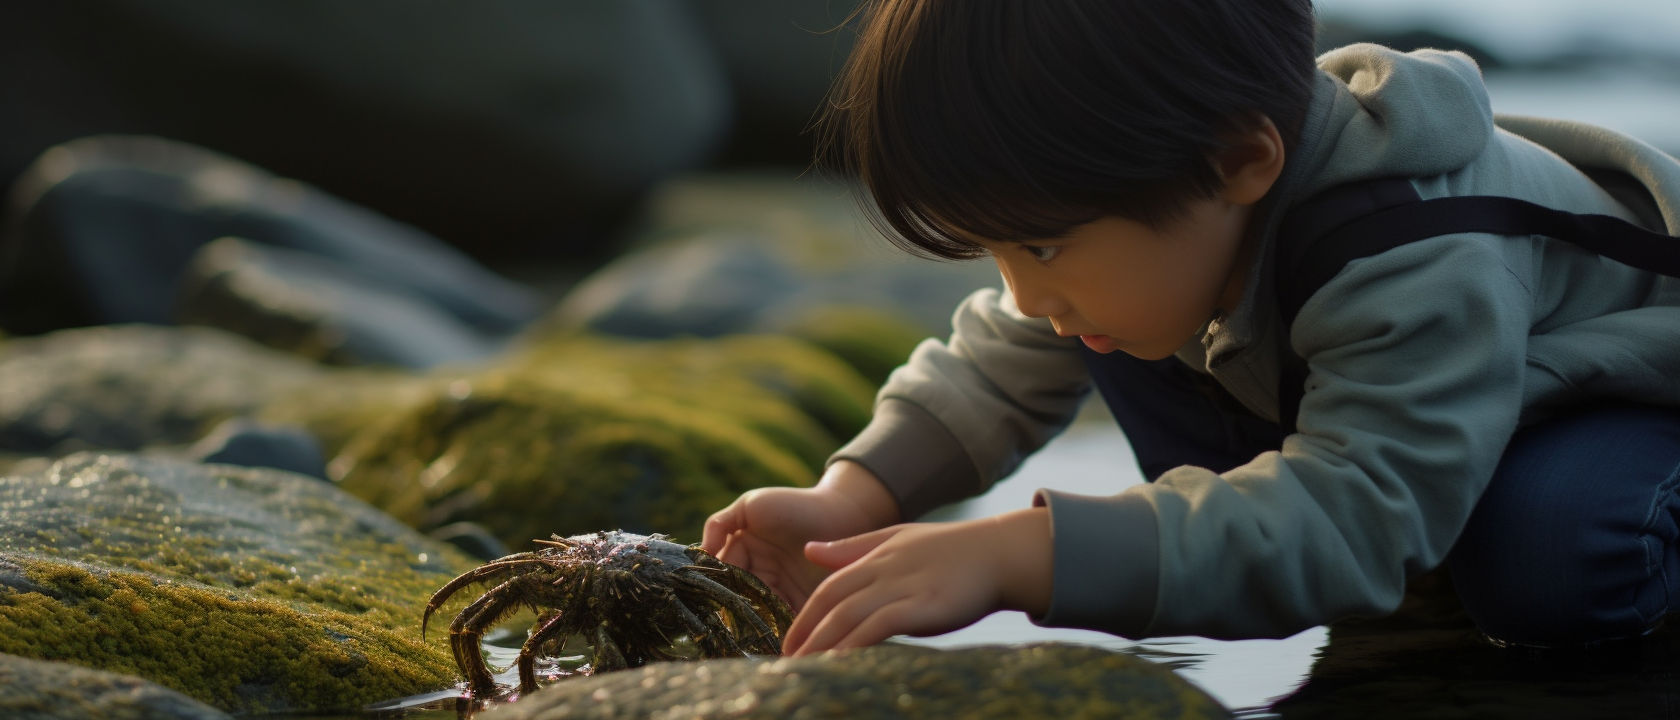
x=1427, y=661
x=1093, y=458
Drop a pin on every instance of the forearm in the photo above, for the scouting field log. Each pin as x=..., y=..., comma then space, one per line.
x=1020, y=544
x=856, y=487
x=960, y=415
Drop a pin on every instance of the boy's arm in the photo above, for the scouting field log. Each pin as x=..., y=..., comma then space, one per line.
x=962, y=414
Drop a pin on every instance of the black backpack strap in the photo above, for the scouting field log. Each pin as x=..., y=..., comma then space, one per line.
x=1345, y=223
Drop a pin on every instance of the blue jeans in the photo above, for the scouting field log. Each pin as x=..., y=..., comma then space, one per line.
x=1574, y=541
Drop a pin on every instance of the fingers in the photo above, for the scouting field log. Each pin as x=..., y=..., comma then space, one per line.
x=840, y=553
x=904, y=616
x=719, y=527
x=845, y=620
x=839, y=589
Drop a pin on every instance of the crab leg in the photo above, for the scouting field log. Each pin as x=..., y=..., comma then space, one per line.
x=480, y=574
x=607, y=655
x=555, y=627
x=746, y=584
x=712, y=635
x=770, y=605
x=718, y=631
x=468, y=628
x=765, y=640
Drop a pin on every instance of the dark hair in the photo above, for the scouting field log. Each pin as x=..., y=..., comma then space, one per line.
x=1023, y=119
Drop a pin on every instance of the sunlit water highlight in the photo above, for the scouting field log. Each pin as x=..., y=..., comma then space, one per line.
x=1093, y=458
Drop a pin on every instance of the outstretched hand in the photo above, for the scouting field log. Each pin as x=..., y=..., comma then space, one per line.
x=923, y=579
x=765, y=530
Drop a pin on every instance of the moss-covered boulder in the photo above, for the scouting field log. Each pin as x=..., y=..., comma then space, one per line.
x=886, y=681
x=579, y=434
x=251, y=590
x=795, y=394
x=37, y=690
x=126, y=387
x=873, y=341
x=343, y=403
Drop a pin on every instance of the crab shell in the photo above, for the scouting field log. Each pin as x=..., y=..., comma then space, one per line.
x=628, y=595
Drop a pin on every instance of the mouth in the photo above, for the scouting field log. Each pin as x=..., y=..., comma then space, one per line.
x=1100, y=343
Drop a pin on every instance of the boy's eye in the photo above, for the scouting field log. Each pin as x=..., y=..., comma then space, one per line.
x=1042, y=253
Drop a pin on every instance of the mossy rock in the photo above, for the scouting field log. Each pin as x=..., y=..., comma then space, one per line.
x=526, y=461
x=872, y=341
x=126, y=387
x=37, y=690
x=344, y=403
x=886, y=681
x=252, y=590
x=579, y=434
x=797, y=395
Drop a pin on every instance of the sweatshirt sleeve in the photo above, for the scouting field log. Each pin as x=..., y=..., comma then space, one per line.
x=1415, y=386
x=961, y=414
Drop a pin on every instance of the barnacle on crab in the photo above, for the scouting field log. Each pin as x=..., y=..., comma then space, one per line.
x=630, y=596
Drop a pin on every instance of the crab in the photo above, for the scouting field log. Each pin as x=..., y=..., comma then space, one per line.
x=632, y=598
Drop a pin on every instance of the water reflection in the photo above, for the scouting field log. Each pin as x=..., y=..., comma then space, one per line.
x=1093, y=458
x=1425, y=661
x=1403, y=669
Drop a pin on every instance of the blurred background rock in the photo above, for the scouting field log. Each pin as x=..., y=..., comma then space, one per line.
x=516, y=129
x=545, y=138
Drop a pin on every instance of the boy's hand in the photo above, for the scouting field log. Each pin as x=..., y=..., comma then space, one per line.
x=924, y=579
x=765, y=530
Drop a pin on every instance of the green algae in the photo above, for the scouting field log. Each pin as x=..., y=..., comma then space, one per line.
x=36, y=690
x=341, y=404
x=790, y=391
x=577, y=434
x=251, y=590
x=887, y=681
x=872, y=341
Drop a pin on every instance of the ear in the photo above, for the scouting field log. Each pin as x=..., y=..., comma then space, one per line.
x=1252, y=164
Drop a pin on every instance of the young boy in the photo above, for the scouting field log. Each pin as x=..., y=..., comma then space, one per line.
x=1507, y=404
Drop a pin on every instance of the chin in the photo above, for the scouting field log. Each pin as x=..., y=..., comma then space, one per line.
x=1151, y=351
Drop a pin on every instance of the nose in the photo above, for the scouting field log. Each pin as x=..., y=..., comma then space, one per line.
x=1033, y=299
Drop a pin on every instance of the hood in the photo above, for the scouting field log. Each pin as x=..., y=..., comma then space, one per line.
x=1375, y=112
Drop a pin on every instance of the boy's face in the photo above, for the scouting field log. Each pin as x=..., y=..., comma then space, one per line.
x=1121, y=285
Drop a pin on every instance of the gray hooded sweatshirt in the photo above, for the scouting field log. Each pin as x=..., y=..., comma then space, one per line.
x=1424, y=360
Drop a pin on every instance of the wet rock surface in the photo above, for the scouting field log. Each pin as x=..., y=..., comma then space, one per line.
x=581, y=434
x=36, y=690
x=126, y=387
x=887, y=681
x=251, y=590
x=102, y=229
x=324, y=309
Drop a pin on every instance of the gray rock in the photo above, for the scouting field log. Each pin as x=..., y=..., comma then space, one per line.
x=323, y=309
x=243, y=441
x=36, y=690
x=886, y=681
x=103, y=229
x=252, y=590
x=761, y=254
x=508, y=127
x=781, y=56
x=126, y=387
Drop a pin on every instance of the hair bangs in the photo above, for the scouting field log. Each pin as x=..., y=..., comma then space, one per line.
x=1002, y=120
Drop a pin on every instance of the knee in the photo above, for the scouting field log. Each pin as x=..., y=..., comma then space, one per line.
x=1563, y=549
